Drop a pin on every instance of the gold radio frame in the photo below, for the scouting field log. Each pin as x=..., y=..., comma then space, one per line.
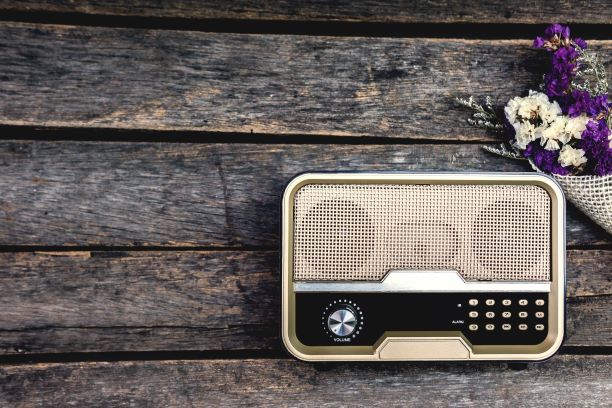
x=418, y=346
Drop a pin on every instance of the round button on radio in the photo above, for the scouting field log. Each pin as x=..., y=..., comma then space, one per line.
x=343, y=321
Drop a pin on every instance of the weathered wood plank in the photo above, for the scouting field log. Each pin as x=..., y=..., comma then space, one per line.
x=269, y=84
x=585, y=382
x=219, y=300
x=407, y=11
x=113, y=301
x=137, y=194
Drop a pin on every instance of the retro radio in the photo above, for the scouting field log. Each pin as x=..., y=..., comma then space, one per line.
x=438, y=266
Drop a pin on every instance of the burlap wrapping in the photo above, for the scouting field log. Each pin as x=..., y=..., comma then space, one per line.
x=592, y=195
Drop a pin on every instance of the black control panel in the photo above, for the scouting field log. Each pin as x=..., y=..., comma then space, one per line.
x=324, y=319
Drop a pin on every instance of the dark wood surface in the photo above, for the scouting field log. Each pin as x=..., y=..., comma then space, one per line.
x=257, y=84
x=213, y=195
x=405, y=11
x=144, y=148
x=563, y=381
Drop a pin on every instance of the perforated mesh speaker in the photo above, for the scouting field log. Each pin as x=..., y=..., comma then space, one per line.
x=361, y=231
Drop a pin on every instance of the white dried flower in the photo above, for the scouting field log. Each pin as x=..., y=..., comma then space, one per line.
x=563, y=130
x=571, y=157
x=530, y=116
x=550, y=144
x=537, y=104
x=575, y=126
x=525, y=133
x=553, y=135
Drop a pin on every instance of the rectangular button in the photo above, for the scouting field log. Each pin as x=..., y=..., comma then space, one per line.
x=523, y=302
x=522, y=327
x=489, y=302
x=490, y=327
x=522, y=315
x=506, y=302
x=539, y=315
x=506, y=326
x=539, y=327
x=490, y=315
x=539, y=302
x=473, y=314
x=473, y=302
x=416, y=349
x=473, y=327
x=506, y=315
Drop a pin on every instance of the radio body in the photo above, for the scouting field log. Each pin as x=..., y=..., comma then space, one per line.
x=428, y=266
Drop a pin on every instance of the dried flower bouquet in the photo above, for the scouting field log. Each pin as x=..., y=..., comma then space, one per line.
x=564, y=128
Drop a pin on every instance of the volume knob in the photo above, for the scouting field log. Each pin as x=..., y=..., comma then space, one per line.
x=343, y=321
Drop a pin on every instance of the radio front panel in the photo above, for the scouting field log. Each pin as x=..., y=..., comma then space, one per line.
x=440, y=266
x=362, y=319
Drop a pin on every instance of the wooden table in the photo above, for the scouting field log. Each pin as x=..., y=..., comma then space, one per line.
x=144, y=148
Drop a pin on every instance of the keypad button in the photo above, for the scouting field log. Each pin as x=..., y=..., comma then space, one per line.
x=473, y=327
x=506, y=326
x=522, y=315
x=539, y=315
x=522, y=327
x=489, y=302
x=506, y=302
x=539, y=302
x=490, y=315
x=506, y=315
x=539, y=327
x=473, y=314
x=490, y=327
x=523, y=302
x=473, y=302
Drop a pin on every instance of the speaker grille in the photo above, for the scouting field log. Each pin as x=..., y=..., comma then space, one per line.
x=360, y=232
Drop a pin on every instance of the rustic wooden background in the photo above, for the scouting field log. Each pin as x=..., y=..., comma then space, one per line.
x=144, y=146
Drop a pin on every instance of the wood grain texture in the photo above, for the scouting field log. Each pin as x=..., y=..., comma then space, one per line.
x=166, y=194
x=266, y=84
x=114, y=301
x=561, y=381
x=406, y=11
x=213, y=300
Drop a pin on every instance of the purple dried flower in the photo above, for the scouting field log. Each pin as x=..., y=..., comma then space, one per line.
x=558, y=30
x=594, y=141
x=595, y=136
x=581, y=43
x=601, y=105
x=564, y=59
x=539, y=42
x=557, y=83
x=545, y=160
x=584, y=103
x=555, y=36
x=604, y=165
